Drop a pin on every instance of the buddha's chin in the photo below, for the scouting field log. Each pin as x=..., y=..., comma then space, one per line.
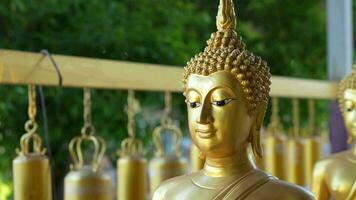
x=206, y=144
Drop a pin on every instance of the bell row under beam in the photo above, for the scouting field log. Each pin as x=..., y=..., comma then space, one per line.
x=22, y=68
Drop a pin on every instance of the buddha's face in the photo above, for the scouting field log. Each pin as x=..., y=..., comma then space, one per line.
x=350, y=111
x=219, y=123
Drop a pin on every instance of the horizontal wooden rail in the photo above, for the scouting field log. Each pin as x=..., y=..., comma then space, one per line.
x=18, y=67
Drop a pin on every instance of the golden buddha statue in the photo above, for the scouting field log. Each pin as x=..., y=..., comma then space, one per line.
x=226, y=89
x=335, y=175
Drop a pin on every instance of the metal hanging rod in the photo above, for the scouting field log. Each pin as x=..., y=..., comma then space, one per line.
x=23, y=68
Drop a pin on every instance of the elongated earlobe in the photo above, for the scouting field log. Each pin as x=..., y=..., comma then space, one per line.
x=255, y=140
x=255, y=132
x=350, y=139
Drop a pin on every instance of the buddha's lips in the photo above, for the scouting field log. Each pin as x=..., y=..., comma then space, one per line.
x=205, y=131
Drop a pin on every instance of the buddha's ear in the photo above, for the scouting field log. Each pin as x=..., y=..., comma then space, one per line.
x=255, y=135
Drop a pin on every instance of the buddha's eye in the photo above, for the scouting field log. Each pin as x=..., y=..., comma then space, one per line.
x=194, y=104
x=222, y=102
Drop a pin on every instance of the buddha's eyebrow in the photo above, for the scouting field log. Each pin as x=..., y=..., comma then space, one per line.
x=192, y=90
x=223, y=87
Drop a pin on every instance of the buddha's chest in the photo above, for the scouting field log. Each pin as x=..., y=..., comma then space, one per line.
x=205, y=190
x=342, y=182
x=194, y=193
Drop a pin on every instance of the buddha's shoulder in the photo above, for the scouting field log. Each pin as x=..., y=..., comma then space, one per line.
x=277, y=189
x=332, y=160
x=173, y=184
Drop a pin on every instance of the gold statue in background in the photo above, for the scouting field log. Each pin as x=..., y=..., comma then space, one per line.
x=226, y=89
x=335, y=176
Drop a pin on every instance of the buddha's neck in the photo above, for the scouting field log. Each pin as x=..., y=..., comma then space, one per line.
x=237, y=163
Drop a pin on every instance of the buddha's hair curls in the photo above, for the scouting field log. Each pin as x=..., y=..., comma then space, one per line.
x=226, y=52
x=349, y=82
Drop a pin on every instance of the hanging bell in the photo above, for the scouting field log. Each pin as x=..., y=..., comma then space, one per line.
x=274, y=144
x=87, y=182
x=31, y=170
x=197, y=160
x=294, y=161
x=131, y=166
x=311, y=146
x=295, y=155
x=131, y=170
x=273, y=155
x=165, y=166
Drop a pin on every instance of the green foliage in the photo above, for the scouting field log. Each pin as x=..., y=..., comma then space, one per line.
x=289, y=34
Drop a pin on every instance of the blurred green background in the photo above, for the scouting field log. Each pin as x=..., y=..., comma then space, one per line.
x=289, y=34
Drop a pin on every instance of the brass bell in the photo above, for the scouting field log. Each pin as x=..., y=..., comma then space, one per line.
x=197, y=160
x=131, y=166
x=87, y=182
x=294, y=161
x=311, y=145
x=273, y=155
x=131, y=170
x=31, y=171
x=274, y=144
x=164, y=166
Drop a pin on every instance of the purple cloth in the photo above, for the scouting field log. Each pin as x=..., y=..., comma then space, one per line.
x=338, y=134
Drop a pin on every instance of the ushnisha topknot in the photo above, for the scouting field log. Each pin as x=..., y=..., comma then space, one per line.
x=226, y=51
x=349, y=82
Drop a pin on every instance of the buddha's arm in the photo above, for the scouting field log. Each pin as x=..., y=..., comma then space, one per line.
x=160, y=193
x=319, y=187
x=157, y=195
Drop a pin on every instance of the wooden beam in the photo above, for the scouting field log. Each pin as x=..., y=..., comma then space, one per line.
x=17, y=67
x=303, y=88
x=23, y=68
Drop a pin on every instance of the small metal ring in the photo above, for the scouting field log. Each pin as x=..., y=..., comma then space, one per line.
x=88, y=130
x=31, y=126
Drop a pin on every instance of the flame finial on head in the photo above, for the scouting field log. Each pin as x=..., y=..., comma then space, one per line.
x=226, y=18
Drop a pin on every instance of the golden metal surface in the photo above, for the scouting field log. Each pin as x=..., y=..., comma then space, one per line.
x=32, y=177
x=311, y=150
x=226, y=89
x=131, y=166
x=132, y=178
x=294, y=150
x=163, y=168
x=197, y=160
x=274, y=155
x=81, y=72
x=311, y=145
x=86, y=184
x=335, y=176
x=294, y=161
x=274, y=144
x=87, y=181
x=31, y=170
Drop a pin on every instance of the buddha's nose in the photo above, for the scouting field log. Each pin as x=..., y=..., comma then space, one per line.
x=205, y=116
